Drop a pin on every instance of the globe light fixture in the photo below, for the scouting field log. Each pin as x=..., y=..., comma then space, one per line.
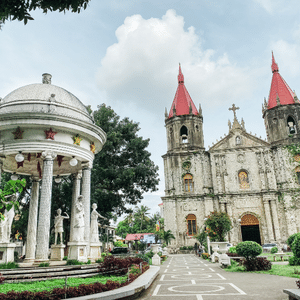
x=73, y=162
x=19, y=157
x=14, y=176
x=57, y=179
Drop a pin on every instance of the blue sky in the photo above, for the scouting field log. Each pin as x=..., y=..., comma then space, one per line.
x=126, y=54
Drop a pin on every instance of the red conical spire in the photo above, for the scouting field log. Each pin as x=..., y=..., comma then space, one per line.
x=182, y=103
x=280, y=92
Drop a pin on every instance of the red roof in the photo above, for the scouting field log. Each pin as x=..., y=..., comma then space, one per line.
x=182, y=101
x=279, y=88
x=135, y=236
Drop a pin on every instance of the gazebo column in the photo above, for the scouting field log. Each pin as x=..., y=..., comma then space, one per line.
x=86, y=193
x=32, y=220
x=43, y=230
x=75, y=194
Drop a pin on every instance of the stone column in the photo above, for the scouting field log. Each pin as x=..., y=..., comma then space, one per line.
x=86, y=193
x=275, y=220
x=209, y=206
x=32, y=220
x=43, y=229
x=269, y=220
x=75, y=194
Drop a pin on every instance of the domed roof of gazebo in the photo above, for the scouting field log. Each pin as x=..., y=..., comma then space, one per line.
x=41, y=94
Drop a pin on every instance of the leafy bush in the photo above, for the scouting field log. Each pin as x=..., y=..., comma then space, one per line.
x=100, y=260
x=120, y=244
x=45, y=264
x=232, y=249
x=205, y=255
x=190, y=247
x=65, y=258
x=149, y=254
x=257, y=264
x=248, y=249
x=75, y=262
x=291, y=238
x=218, y=224
x=10, y=265
x=294, y=261
x=183, y=248
x=135, y=269
x=274, y=250
x=144, y=257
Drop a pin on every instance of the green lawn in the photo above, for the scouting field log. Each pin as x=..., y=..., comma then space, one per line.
x=48, y=285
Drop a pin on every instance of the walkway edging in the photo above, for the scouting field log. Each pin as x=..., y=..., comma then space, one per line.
x=137, y=286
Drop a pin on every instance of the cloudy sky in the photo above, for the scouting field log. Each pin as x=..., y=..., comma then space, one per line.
x=125, y=53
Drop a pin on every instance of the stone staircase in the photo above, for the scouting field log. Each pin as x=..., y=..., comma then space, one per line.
x=46, y=273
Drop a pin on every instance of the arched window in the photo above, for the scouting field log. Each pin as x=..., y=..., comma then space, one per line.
x=238, y=141
x=297, y=170
x=291, y=125
x=184, y=134
x=244, y=180
x=188, y=183
x=191, y=224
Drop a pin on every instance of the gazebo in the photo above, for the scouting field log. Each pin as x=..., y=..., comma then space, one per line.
x=46, y=132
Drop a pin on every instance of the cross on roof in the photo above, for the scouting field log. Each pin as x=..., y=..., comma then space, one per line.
x=234, y=108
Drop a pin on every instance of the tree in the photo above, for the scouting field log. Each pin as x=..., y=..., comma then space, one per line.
x=19, y=9
x=167, y=236
x=122, y=170
x=141, y=214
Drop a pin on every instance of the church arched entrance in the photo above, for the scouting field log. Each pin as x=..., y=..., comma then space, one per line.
x=250, y=228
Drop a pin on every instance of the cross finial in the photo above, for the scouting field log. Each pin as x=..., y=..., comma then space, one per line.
x=234, y=108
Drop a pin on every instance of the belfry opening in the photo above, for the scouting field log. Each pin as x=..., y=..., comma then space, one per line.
x=250, y=228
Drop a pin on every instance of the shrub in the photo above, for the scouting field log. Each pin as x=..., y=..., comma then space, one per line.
x=135, y=269
x=218, y=224
x=9, y=265
x=144, y=257
x=274, y=250
x=45, y=264
x=65, y=258
x=190, y=247
x=100, y=260
x=71, y=262
x=294, y=261
x=257, y=264
x=159, y=253
x=291, y=238
x=205, y=255
x=296, y=246
x=248, y=249
x=149, y=254
x=183, y=248
x=232, y=249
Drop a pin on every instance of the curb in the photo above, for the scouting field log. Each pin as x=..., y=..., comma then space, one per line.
x=137, y=286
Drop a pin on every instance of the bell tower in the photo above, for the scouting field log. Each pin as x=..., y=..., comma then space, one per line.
x=184, y=123
x=282, y=111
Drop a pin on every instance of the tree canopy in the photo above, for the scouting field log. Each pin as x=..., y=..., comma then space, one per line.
x=20, y=9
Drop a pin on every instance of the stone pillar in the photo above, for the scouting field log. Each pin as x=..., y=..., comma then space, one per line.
x=269, y=220
x=75, y=194
x=32, y=220
x=222, y=206
x=86, y=193
x=275, y=220
x=43, y=229
x=209, y=206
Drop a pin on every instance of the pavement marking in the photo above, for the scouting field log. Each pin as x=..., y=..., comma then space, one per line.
x=166, y=270
x=199, y=297
x=205, y=265
x=238, y=289
x=156, y=290
x=212, y=269
x=213, y=288
x=162, y=277
x=221, y=276
x=193, y=281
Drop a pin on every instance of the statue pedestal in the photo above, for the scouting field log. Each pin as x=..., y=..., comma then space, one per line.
x=7, y=252
x=78, y=250
x=57, y=252
x=156, y=260
x=95, y=251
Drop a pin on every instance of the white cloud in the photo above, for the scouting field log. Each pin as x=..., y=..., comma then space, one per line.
x=268, y=5
x=142, y=66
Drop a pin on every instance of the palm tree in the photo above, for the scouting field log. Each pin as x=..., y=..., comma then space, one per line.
x=167, y=236
x=141, y=213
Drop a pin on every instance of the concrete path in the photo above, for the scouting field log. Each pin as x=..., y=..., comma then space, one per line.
x=186, y=276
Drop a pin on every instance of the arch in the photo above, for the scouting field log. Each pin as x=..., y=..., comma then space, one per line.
x=188, y=182
x=184, y=134
x=191, y=224
x=250, y=229
x=238, y=140
x=243, y=179
x=291, y=124
x=249, y=219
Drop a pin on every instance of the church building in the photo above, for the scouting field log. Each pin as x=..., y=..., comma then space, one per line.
x=256, y=182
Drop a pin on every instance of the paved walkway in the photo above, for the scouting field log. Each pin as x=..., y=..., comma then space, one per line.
x=185, y=276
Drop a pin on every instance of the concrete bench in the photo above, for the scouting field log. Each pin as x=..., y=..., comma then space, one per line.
x=281, y=256
x=293, y=293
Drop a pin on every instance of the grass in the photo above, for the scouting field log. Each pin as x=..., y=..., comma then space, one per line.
x=270, y=256
x=49, y=285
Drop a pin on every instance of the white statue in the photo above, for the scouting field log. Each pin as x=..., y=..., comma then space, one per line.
x=94, y=224
x=58, y=225
x=79, y=220
x=5, y=225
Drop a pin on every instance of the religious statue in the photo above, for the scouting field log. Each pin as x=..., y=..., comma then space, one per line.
x=79, y=220
x=5, y=225
x=58, y=225
x=94, y=224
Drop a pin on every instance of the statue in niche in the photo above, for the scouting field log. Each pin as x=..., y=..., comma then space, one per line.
x=58, y=226
x=94, y=224
x=79, y=220
x=5, y=225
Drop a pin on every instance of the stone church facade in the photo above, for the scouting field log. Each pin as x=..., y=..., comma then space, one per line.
x=256, y=182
